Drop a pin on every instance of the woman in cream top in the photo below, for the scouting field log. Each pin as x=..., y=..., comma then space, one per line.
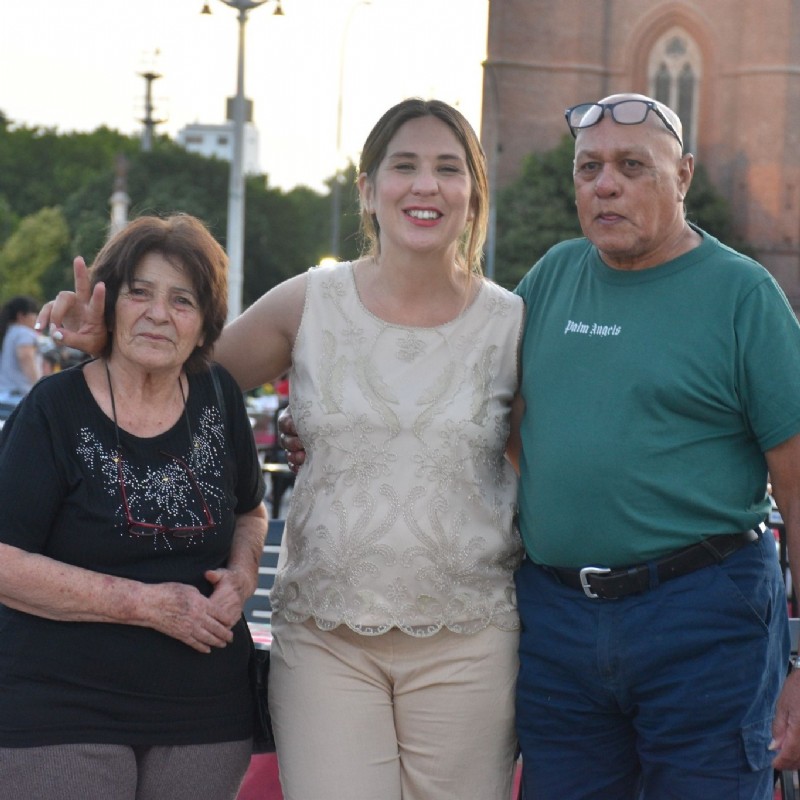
x=402, y=514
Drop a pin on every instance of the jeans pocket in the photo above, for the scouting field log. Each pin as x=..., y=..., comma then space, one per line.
x=755, y=739
x=754, y=583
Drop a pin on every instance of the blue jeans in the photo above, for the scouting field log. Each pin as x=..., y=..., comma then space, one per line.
x=663, y=695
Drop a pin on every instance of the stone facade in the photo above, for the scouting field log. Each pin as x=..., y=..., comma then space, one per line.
x=731, y=68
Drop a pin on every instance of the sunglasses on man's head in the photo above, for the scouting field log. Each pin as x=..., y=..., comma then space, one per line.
x=623, y=112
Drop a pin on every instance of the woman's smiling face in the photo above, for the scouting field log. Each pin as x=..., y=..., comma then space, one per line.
x=422, y=190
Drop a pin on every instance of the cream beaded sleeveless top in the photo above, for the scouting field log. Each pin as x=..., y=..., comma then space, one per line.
x=402, y=515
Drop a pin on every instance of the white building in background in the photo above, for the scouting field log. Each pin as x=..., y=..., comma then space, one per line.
x=216, y=141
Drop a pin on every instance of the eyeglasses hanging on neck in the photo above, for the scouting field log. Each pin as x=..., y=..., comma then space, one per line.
x=140, y=528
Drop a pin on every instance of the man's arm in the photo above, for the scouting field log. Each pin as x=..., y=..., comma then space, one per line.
x=784, y=469
x=51, y=589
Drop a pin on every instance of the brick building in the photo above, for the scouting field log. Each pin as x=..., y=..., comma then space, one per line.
x=730, y=68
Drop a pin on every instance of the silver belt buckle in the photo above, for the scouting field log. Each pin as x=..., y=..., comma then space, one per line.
x=585, y=573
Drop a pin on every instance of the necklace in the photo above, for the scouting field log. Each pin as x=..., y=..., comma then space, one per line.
x=114, y=411
x=151, y=529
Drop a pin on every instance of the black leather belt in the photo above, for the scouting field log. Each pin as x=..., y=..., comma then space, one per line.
x=611, y=584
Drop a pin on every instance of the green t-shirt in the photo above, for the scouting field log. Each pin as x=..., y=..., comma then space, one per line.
x=651, y=397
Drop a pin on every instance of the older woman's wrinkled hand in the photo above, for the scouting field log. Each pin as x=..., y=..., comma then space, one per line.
x=227, y=598
x=182, y=612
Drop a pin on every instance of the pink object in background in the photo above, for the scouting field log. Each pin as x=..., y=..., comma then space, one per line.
x=261, y=780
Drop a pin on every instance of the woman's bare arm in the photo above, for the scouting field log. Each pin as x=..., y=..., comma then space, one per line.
x=44, y=587
x=257, y=346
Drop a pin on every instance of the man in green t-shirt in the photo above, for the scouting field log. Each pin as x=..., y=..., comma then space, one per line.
x=654, y=634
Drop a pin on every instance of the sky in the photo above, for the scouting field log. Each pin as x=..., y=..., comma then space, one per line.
x=73, y=65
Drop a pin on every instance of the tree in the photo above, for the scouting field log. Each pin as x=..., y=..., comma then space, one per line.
x=40, y=168
x=534, y=212
x=8, y=219
x=285, y=232
x=30, y=251
x=711, y=211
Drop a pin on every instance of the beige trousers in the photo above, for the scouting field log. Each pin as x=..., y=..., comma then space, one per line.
x=393, y=717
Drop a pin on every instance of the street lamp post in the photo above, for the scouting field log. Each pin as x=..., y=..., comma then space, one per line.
x=235, y=240
x=336, y=200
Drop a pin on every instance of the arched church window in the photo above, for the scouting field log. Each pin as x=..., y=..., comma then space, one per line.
x=687, y=90
x=674, y=75
x=662, y=83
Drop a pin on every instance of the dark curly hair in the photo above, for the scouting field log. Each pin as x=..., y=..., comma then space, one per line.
x=189, y=246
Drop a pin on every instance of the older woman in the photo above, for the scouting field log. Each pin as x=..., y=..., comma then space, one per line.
x=130, y=536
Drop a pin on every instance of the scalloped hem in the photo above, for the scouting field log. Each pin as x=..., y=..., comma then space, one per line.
x=418, y=631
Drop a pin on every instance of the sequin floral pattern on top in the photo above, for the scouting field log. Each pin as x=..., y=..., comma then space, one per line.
x=403, y=514
x=162, y=491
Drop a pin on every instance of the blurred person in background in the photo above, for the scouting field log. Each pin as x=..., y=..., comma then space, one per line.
x=20, y=361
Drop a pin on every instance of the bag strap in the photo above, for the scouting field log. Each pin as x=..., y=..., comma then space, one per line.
x=218, y=391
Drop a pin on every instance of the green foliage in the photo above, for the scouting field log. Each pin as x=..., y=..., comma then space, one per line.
x=8, y=219
x=39, y=168
x=535, y=212
x=30, y=251
x=285, y=232
x=711, y=211
x=170, y=179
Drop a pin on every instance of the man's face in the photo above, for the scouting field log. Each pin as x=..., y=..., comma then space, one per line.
x=630, y=181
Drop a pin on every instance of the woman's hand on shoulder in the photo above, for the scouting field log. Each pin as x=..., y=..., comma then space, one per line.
x=77, y=318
